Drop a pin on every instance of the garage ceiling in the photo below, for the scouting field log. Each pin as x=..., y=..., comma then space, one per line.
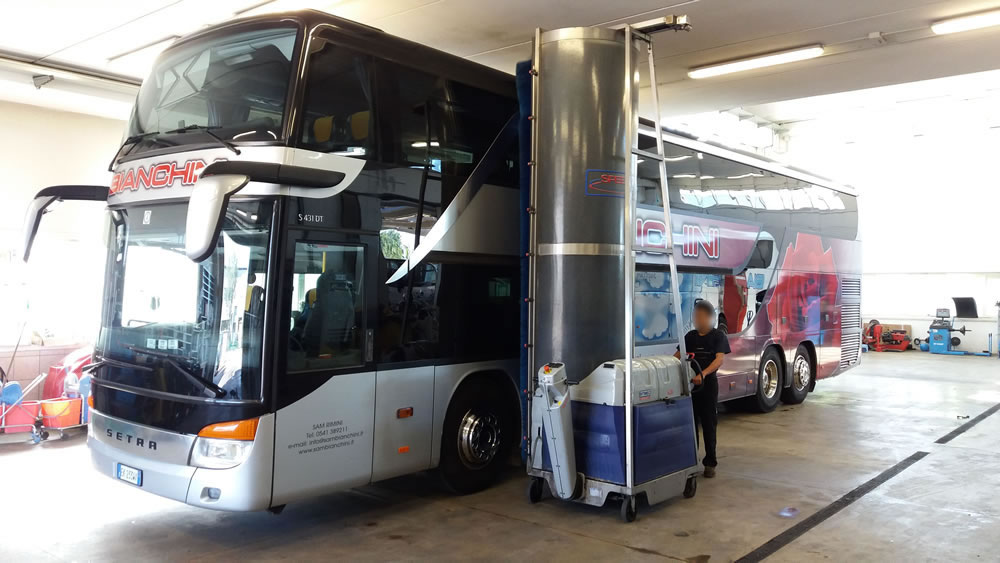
x=98, y=35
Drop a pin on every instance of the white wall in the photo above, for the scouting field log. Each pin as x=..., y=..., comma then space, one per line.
x=59, y=291
x=929, y=202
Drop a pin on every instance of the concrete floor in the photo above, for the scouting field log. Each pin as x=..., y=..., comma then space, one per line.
x=943, y=508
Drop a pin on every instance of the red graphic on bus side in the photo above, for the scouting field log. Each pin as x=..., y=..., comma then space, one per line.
x=803, y=305
x=156, y=176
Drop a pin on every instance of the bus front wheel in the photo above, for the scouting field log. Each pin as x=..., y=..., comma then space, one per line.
x=476, y=439
x=802, y=375
x=769, y=378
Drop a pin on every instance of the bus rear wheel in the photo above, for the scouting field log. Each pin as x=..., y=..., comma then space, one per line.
x=769, y=378
x=802, y=374
x=476, y=439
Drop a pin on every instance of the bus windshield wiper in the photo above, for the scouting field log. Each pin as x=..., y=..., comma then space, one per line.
x=101, y=362
x=208, y=131
x=129, y=141
x=211, y=389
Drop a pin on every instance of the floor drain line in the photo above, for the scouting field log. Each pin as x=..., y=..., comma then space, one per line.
x=969, y=424
x=788, y=536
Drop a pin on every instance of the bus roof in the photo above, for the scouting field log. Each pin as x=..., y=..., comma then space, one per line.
x=384, y=45
x=750, y=159
x=375, y=42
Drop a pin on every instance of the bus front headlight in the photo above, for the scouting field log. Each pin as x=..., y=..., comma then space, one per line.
x=217, y=453
x=224, y=444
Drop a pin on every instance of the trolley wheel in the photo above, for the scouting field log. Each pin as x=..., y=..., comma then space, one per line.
x=691, y=487
x=44, y=434
x=916, y=342
x=535, y=489
x=802, y=378
x=629, y=509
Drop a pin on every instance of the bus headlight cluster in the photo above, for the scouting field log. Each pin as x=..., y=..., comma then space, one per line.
x=217, y=453
x=224, y=444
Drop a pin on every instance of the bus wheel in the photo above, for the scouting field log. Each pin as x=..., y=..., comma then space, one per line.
x=802, y=374
x=476, y=438
x=769, y=378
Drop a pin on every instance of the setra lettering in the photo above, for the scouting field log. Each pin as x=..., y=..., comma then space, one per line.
x=130, y=439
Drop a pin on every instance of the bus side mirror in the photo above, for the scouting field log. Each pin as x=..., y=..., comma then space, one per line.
x=206, y=211
x=45, y=198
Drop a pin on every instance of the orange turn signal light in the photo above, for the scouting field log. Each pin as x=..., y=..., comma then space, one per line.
x=404, y=412
x=90, y=401
x=404, y=449
x=235, y=430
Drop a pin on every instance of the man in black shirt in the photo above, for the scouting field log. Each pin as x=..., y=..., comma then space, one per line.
x=709, y=346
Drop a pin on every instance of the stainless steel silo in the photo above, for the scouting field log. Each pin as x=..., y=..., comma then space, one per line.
x=580, y=154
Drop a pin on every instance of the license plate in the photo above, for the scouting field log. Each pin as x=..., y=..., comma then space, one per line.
x=130, y=475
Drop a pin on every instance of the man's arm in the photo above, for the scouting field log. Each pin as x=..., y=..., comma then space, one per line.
x=715, y=365
x=721, y=349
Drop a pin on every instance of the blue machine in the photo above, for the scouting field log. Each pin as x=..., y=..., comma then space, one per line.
x=584, y=425
x=665, y=440
x=941, y=341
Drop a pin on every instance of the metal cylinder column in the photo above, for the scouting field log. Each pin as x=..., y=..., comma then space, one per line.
x=581, y=152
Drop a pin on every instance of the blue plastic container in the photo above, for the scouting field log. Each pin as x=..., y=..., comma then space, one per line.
x=664, y=440
x=11, y=393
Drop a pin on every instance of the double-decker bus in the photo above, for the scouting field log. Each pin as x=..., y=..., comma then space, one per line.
x=313, y=268
x=775, y=250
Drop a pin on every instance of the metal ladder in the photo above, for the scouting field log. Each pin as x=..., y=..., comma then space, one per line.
x=632, y=138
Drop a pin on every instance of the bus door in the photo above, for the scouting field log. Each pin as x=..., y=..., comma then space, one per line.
x=734, y=316
x=325, y=396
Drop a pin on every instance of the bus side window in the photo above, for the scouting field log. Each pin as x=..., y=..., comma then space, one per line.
x=327, y=307
x=409, y=327
x=336, y=114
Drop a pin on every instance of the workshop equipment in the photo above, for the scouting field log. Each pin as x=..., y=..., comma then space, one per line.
x=881, y=339
x=17, y=415
x=940, y=338
x=599, y=427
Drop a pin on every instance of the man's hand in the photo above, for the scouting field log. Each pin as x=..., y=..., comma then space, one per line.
x=696, y=379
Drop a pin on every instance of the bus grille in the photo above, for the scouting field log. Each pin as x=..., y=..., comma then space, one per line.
x=850, y=333
x=850, y=287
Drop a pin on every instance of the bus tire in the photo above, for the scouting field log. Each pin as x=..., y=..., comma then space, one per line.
x=476, y=439
x=801, y=378
x=769, y=378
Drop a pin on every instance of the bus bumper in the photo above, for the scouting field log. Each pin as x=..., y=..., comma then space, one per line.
x=162, y=457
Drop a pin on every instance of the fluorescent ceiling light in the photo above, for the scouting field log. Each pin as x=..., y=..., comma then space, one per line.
x=708, y=177
x=772, y=59
x=747, y=175
x=677, y=158
x=685, y=176
x=422, y=144
x=967, y=23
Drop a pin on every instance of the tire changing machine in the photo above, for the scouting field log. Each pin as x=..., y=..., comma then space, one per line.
x=599, y=429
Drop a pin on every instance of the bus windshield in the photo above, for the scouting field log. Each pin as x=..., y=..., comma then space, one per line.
x=233, y=86
x=181, y=327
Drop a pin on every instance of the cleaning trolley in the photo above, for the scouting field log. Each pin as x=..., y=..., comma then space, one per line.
x=603, y=424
